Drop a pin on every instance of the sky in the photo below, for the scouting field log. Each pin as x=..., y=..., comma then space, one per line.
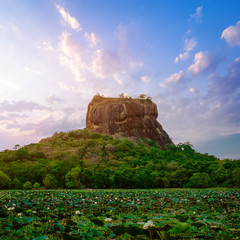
x=56, y=55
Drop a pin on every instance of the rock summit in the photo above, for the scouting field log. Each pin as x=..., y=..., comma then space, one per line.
x=133, y=117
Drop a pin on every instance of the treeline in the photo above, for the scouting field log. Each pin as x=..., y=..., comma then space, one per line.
x=85, y=159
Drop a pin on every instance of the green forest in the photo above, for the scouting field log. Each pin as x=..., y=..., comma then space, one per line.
x=84, y=159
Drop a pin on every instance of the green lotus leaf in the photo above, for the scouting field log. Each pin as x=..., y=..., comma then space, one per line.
x=180, y=228
x=95, y=232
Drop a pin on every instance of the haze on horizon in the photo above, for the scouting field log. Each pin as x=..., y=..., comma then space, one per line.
x=56, y=55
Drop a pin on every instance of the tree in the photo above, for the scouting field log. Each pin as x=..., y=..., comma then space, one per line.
x=21, y=154
x=5, y=181
x=49, y=181
x=121, y=95
x=16, y=147
x=142, y=96
x=36, y=185
x=16, y=183
x=27, y=185
x=179, y=177
x=236, y=177
x=220, y=175
x=199, y=180
x=75, y=178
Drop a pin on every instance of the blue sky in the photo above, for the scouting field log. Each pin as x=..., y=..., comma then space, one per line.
x=55, y=55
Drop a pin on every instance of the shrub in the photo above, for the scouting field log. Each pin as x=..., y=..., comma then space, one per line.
x=36, y=185
x=27, y=185
x=5, y=181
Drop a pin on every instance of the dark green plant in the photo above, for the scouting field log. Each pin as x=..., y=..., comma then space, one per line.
x=5, y=181
x=36, y=185
x=27, y=185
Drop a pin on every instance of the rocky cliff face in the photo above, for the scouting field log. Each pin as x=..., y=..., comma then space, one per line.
x=132, y=117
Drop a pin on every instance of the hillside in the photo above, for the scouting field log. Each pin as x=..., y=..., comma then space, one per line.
x=86, y=159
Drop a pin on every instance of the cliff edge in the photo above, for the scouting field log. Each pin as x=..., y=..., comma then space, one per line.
x=132, y=117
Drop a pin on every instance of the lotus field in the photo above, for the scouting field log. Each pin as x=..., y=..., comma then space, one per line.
x=120, y=214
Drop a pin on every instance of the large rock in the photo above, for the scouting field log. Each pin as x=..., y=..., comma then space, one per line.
x=132, y=117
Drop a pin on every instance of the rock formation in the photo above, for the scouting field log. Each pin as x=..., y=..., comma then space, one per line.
x=132, y=117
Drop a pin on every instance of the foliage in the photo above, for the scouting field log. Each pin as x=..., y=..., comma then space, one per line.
x=200, y=180
x=120, y=214
x=49, y=181
x=74, y=178
x=5, y=181
x=27, y=185
x=36, y=185
x=86, y=159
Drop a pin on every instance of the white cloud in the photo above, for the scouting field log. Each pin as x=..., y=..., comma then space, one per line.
x=145, y=79
x=106, y=64
x=85, y=92
x=174, y=79
x=182, y=56
x=232, y=35
x=72, y=55
x=53, y=100
x=189, y=46
x=27, y=69
x=92, y=38
x=47, y=46
x=203, y=62
x=68, y=20
x=197, y=16
x=21, y=106
x=113, y=64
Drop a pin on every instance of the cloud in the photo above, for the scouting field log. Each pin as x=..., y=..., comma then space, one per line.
x=113, y=64
x=232, y=35
x=21, y=106
x=85, y=62
x=182, y=56
x=85, y=92
x=15, y=29
x=145, y=79
x=92, y=38
x=27, y=69
x=67, y=19
x=107, y=64
x=196, y=118
x=72, y=56
x=228, y=84
x=189, y=46
x=47, y=46
x=197, y=16
x=204, y=62
x=24, y=122
x=53, y=100
x=193, y=90
x=8, y=89
x=173, y=80
x=65, y=119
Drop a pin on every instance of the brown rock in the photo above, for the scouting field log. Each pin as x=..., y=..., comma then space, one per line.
x=132, y=117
